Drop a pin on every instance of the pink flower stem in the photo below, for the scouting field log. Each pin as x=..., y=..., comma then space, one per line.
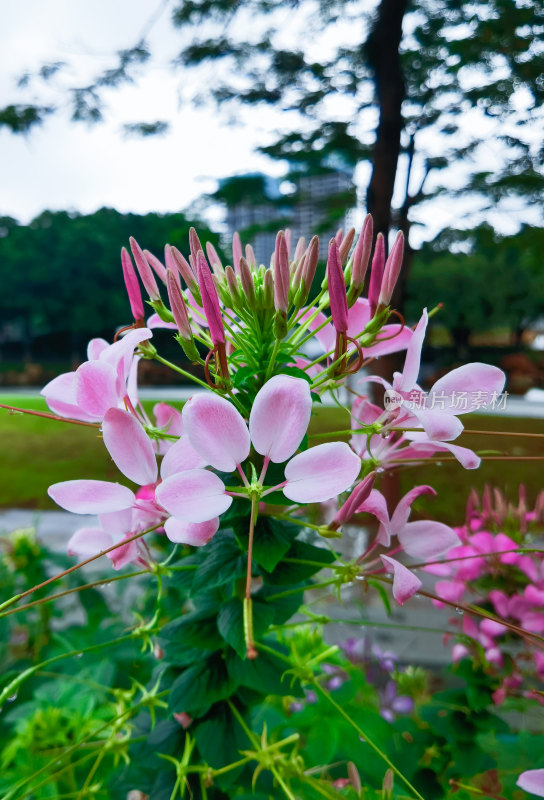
x=263, y=471
x=243, y=476
x=519, y=551
x=274, y=488
x=50, y=416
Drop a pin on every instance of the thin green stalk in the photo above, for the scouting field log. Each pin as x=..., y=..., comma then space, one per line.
x=181, y=371
x=366, y=738
x=301, y=589
x=248, y=606
x=272, y=359
x=72, y=591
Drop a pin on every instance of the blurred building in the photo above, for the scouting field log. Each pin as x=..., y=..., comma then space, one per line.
x=318, y=202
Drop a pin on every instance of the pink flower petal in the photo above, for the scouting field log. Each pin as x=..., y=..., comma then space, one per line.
x=95, y=348
x=154, y=321
x=60, y=396
x=120, y=354
x=427, y=540
x=129, y=446
x=427, y=447
x=472, y=380
x=280, y=417
x=169, y=418
x=96, y=388
x=91, y=497
x=181, y=457
x=438, y=425
x=358, y=317
x=405, y=583
x=413, y=355
x=326, y=335
x=217, y=431
x=124, y=554
x=394, y=338
x=117, y=523
x=404, y=507
x=532, y=781
x=193, y=496
x=196, y=534
x=321, y=472
x=88, y=542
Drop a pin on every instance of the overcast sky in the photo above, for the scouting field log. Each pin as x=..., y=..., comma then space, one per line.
x=64, y=165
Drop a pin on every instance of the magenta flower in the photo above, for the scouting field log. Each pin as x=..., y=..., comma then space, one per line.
x=277, y=424
x=101, y=383
x=532, y=781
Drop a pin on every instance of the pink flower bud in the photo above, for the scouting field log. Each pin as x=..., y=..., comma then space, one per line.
x=361, y=255
x=299, y=249
x=146, y=273
x=247, y=283
x=288, y=241
x=268, y=289
x=281, y=274
x=337, y=289
x=236, y=251
x=339, y=236
x=194, y=243
x=392, y=271
x=345, y=247
x=310, y=264
x=174, y=259
x=356, y=498
x=157, y=265
x=250, y=256
x=177, y=304
x=376, y=273
x=214, y=260
x=210, y=300
x=232, y=283
x=132, y=286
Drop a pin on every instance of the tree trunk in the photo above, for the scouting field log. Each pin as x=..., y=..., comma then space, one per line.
x=382, y=52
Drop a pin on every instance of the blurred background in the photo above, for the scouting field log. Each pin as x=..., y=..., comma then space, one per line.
x=143, y=118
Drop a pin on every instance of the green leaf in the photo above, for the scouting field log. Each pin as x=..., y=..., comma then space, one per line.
x=220, y=739
x=191, y=635
x=202, y=685
x=272, y=540
x=224, y=562
x=284, y=607
x=231, y=622
x=264, y=673
x=296, y=573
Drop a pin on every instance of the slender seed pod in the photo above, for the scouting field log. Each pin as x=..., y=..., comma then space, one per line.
x=145, y=271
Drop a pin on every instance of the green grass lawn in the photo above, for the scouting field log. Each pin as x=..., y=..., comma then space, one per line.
x=37, y=452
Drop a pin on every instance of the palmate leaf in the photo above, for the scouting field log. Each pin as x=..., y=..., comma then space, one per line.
x=223, y=562
x=201, y=685
x=231, y=623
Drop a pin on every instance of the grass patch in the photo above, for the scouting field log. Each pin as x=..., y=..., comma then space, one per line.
x=37, y=452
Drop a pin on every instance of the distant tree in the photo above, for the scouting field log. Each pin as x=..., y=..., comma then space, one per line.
x=484, y=280
x=63, y=275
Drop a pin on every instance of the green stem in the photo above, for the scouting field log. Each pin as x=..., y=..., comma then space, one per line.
x=181, y=371
x=366, y=738
x=248, y=605
x=272, y=360
x=72, y=591
x=301, y=589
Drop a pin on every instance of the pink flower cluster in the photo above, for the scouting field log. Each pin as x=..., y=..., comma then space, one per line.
x=502, y=573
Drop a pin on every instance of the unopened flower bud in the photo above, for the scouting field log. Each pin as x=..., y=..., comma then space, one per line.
x=268, y=289
x=250, y=256
x=132, y=286
x=345, y=247
x=174, y=258
x=392, y=271
x=233, y=288
x=157, y=265
x=177, y=304
x=299, y=249
x=356, y=498
x=145, y=271
x=247, y=283
x=281, y=274
x=288, y=241
x=339, y=236
x=337, y=289
x=210, y=300
x=236, y=251
x=360, y=259
x=376, y=273
x=215, y=261
x=194, y=243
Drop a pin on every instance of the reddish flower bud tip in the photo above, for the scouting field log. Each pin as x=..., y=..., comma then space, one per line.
x=247, y=283
x=214, y=260
x=183, y=267
x=250, y=256
x=157, y=265
x=236, y=251
x=210, y=300
x=194, y=242
x=288, y=241
x=177, y=304
x=132, y=286
x=362, y=252
x=281, y=274
x=337, y=289
x=345, y=247
x=339, y=236
x=145, y=271
x=392, y=270
x=310, y=264
x=299, y=249
x=376, y=273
